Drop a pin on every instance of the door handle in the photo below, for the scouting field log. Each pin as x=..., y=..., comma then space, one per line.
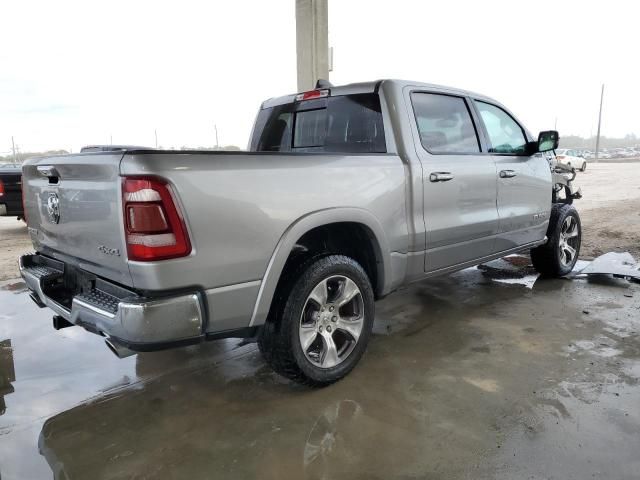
x=440, y=177
x=507, y=174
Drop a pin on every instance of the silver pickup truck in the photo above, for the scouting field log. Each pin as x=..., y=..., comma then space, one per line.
x=347, y=194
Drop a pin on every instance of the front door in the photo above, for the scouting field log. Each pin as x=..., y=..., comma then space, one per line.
x=524, y=194
x=459, y=181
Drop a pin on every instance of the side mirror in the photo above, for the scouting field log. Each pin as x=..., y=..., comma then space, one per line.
x=548, y=140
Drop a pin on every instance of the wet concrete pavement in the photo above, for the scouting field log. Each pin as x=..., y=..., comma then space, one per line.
x=480, y=374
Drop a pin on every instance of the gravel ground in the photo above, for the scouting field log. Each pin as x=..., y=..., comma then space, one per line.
x=14, y=241
x=610, y=209
x=610, y=212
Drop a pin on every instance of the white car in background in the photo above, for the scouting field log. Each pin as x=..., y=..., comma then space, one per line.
x=571, y=157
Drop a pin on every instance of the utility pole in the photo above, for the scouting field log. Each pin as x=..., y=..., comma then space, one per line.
x=555, y=124
x=13, y=147
x=599, y=121
x=155, y=132
x=215, y=127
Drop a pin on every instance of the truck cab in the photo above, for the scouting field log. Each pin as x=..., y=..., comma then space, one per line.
x=475, y=186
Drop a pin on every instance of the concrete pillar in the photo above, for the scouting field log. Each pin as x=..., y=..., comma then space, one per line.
x=312, y=42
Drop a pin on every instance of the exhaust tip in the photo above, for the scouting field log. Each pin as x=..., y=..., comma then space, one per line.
x=118, y=350
x=59, y=322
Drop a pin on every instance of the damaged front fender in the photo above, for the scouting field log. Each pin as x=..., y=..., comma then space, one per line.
x=562, y=178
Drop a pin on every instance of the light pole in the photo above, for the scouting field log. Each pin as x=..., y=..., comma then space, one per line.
x=13, y=147
x=599, y=121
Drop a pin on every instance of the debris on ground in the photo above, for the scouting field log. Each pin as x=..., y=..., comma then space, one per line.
x=513, y=266
x=518, y=268
x=514, y=269
x=612, y=263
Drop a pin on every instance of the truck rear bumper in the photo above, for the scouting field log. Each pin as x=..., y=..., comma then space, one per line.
x=137, y=322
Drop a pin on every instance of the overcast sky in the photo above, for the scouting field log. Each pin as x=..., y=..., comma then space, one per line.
x=75, y=73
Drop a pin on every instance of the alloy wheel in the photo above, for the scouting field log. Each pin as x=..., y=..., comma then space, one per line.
x=331, y=322
x=568, y=242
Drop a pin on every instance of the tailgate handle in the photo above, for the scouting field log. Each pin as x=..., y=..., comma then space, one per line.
x=49, y=171
x=507, y=174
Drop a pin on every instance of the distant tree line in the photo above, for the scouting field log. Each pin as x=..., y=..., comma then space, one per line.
x=22, y=156
x=574, y=141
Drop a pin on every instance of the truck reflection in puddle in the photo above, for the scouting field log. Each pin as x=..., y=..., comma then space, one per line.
x=7, y=372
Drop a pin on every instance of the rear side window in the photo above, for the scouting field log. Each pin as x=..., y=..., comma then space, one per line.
x=505, y=135
x=277, y=136
x=444, y=123
x=342, y=124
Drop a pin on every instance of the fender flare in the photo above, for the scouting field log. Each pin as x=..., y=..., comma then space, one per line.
x=305, y=224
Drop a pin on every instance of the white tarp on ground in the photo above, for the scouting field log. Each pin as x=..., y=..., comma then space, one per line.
x=613, y=263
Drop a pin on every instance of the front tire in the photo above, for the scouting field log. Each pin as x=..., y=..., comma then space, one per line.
x=558, y=256
x=321, y=323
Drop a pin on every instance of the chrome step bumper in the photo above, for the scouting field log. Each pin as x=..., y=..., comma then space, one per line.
x=110, y=310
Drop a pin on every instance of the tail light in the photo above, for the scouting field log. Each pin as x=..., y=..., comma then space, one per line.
x=153, y=224
x=560, y=157
x=24, y=208
x=1, y=188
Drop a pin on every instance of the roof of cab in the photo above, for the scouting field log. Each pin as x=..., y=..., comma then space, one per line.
x=373, y=86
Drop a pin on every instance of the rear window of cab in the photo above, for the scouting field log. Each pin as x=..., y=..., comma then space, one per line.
x=341, y=124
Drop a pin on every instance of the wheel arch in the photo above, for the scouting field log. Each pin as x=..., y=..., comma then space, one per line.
x=308, y=223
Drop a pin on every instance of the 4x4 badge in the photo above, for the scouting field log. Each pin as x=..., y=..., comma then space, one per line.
x=53, y=208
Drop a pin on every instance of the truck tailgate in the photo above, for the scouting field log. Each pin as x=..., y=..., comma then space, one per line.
x=74, y=211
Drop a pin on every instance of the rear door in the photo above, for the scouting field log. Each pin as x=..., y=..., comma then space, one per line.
x=524, y=181
x=74, y=211
x=459, y=180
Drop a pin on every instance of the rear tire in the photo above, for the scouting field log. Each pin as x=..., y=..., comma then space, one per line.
x=320, y=325
x=584, y=167
x=558, y=256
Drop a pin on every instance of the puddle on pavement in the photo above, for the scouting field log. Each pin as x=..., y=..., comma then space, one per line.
x=464, y=372
x=13, y=286
x=579, y=430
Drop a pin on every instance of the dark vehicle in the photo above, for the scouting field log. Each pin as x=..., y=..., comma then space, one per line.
x=11, y=190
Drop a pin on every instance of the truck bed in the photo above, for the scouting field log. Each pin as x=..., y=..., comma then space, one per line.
x=237, y=207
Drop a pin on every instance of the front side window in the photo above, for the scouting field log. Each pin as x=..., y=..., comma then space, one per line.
x=444, y=123
x=505, y=135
